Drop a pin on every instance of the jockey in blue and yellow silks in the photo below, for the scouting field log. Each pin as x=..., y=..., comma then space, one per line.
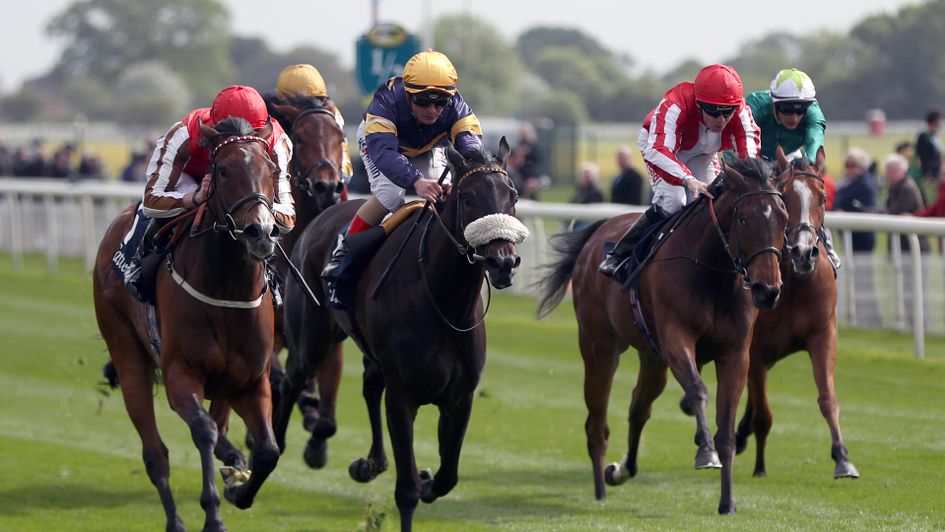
x=403, y=136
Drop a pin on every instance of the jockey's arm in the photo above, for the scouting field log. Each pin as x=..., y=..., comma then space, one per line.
x=161, y=197
x=284, y=205
x=389, y=161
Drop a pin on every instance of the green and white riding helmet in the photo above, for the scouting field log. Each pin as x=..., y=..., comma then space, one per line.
x=792, y=85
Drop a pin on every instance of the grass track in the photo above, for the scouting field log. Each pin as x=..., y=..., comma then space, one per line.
x=71, y=458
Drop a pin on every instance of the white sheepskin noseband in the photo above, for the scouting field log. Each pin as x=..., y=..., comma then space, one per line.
x=495, y=227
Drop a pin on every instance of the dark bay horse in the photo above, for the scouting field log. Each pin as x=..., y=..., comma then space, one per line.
x=423, y=332
x=805, y=319
x=700, y=296
x=316, y=185
x=215, y=319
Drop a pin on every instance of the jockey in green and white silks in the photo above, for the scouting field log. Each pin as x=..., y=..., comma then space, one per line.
x=789, y=115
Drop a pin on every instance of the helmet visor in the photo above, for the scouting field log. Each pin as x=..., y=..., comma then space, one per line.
x=792, y=108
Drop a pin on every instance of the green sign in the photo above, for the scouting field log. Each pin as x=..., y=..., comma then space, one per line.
x=382, y=53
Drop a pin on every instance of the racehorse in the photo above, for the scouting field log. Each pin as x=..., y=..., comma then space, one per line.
x=424, y=332
x=316, y=185
x=804, y=319
x=215, y=318
x=700, y=295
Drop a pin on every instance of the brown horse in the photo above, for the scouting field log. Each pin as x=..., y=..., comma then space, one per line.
x=423, y=332
x=316, y=185
x=216, y=324
x=805, y=319
x=695, y=299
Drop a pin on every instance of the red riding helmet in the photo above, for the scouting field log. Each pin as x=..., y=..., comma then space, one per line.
x=719, y=85
x=240, y=101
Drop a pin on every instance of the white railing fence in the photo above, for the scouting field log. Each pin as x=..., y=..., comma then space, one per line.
x=896, y=291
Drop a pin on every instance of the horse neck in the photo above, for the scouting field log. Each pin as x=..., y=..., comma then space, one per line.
x=217, y=264
x=704, y=238
x=454, y=282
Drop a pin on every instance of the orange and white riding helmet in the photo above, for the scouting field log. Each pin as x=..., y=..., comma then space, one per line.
x=300, y=80
x=430, y=71
x=242, y=102
x=719, y=85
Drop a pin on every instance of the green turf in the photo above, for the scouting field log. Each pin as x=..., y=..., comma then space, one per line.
x=71, y=459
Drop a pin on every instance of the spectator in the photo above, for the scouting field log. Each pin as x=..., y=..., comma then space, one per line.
x=857, y=193
x=30, y=162
x=587, y=190
x=91, y=167
x=136, y=170
x=904, y=197
x=907, y=150
x=627, y=187
x=6, y=160
x=526, y=162
x=61, y=164
x=928, y=147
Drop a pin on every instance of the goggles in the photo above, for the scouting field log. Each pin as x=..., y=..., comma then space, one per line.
x=792, y=108
x=716, y=111
x=426, y=99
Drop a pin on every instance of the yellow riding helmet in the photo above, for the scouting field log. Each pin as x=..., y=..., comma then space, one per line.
x=430, y=71
x=300, y=80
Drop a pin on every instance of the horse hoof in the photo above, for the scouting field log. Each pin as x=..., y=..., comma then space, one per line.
x=845, y=470
x=611, y=476
x=727, y=508
x=759, y=473
x=426, y=486
x=366, y=469
x=708, y=460
x=740, y=444
x=176, y=526
x=316, y=453
x=230, y=494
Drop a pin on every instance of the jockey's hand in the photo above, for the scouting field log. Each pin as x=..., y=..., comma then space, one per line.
x=428, y=189
x=204, y=191
x=698, y=188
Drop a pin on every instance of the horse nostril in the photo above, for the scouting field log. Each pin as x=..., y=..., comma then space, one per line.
x=815, y=252
x=492, y=263
x=795, y=252
x=321, y=187
x=274, y=232
x=252, y=231
x=518, y=262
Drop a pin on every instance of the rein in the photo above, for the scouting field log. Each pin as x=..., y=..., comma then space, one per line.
x=741, y=266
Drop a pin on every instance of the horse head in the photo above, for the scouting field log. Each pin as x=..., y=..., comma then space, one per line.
x=316, y=148
x=756, y=218
x=243, y=177
x=482, y=202
x=805, y=198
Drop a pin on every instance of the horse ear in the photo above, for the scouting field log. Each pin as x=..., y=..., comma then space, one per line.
x=266, y=131
x=503, y=155
x=781, y=158
x=207, y=132
x=457, y=161
x=286, y=111
x=732, y=176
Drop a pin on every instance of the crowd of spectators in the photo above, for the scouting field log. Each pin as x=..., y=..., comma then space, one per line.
x=31, y=160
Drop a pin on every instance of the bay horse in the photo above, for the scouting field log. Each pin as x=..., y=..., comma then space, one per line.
x=215, y=319
x=700, y=295
x=316, y=185
x=423, y=334
x=805, y=319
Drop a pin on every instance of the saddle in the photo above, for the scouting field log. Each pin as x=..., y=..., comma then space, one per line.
x=361, y=247
x=649, y=243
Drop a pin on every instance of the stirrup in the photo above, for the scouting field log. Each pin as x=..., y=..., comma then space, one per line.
x=612, y=267
x=330, y=271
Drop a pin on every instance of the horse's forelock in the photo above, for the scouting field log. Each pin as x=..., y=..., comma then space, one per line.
x=755, y=169
x=233, y=125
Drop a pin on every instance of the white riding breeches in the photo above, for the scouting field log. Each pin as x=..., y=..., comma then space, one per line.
x=671, y=198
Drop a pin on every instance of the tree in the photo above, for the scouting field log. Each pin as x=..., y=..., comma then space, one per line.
x=90, y=97
x=151, y=94
x=22, y=106
x=105, y=37
x=489, y=68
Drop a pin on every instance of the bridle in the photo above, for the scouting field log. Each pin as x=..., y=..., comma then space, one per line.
x=230, y=209
x=741, y=265
x=463, y=248
x=301, y=179
x=802, y=226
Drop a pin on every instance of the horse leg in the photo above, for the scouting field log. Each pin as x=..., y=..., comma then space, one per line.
x=600, y=364
x=255, y=408
x=696, y=395
x=367, y=469
x=650, y=384
x=298, y=367
x=731, y=373
x=185, y=395
x=761, y=414
x=400, y=418
x=224, y=450
x=329, y=379
x=137, y=381
x=744, y=425
x=823, y=357
x=451, y=432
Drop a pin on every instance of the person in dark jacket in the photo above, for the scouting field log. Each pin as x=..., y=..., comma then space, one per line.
x=928, y=147
x=627, y=186
x=857, y=193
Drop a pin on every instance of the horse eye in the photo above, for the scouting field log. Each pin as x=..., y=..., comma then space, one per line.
x=742, y=220
x=221, y=171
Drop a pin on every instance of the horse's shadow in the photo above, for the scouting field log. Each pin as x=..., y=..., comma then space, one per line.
x=28, y=499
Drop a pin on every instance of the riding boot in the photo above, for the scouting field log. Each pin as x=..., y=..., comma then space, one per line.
x=826, y=237
x=338, y=255
x=133, y=280
x=613, y=262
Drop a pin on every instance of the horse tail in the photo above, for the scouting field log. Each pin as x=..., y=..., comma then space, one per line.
x=554, y=283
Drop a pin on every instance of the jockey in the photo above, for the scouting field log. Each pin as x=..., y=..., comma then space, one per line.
x=306, y=80
x=789, y=116
x=180, y=159
x=403, y=137
x=680, y=141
